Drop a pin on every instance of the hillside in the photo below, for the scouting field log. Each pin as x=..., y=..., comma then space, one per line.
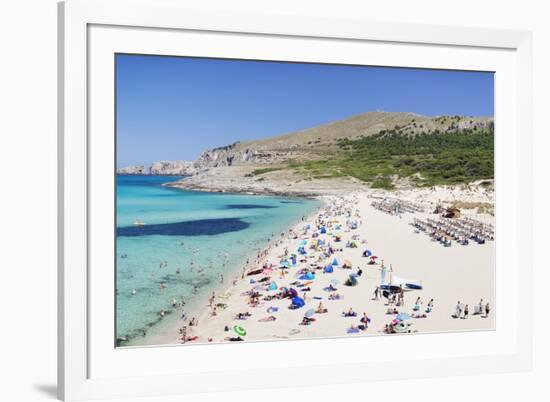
x=317, y=142
x=375, y=149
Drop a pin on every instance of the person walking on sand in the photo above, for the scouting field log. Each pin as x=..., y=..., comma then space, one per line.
x=487, y=309
x=458, y=309
x=430, y=306
x=376, y=293
x=466, y=312
x=211, y=300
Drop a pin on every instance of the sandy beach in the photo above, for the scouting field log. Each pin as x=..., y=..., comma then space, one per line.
x=459, y=273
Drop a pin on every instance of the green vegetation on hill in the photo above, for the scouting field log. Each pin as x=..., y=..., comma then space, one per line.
x=427, y=159
x=257, y=172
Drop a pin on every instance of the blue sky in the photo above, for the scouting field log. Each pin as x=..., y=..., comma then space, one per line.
x=172, y=108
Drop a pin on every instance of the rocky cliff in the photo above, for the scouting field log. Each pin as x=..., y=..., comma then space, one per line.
x=162, y=168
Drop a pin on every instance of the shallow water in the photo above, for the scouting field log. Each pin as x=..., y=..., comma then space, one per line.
x=200, y=235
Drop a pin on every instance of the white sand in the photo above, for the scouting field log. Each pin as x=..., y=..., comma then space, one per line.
x=448, y=274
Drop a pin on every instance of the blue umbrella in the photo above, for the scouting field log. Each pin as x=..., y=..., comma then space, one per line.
x=367, y=253
x=310, y=313
x=402, y=316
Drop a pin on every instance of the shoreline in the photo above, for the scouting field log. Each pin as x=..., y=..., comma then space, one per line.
x=200, y=308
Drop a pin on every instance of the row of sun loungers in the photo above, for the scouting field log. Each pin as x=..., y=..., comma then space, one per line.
x=395, y=206
x=461, y=230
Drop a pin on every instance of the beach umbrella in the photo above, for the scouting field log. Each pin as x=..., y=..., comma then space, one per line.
x=373, y=257
x=273, y=286
x=239, y=330
x=367, y=253
x=335, y=262
x=402, y=317
x=328, y=269
x=310, y=313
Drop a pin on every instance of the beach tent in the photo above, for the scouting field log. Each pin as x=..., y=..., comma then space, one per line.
x=272, y=286
x=298, y=302
x=367, y=253
x=335, y=262
x=351, y=281
x=307, y=275
x=328, y=269
x=323, y=230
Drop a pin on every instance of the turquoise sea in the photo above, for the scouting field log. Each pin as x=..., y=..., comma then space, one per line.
x=187, y=240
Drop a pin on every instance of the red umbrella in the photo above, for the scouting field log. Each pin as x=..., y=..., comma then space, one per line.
x=373, y=257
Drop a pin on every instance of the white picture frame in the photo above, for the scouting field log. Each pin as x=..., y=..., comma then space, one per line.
x=88, y=367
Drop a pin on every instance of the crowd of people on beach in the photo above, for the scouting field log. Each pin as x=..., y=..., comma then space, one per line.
x=283, y=274
x=480, y=309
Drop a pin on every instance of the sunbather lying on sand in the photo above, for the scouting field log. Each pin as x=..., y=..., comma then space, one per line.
x=234, y=338
x=307, y=321
x=349, y=313
x=267, y=319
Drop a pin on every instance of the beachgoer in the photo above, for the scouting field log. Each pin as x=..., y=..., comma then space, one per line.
x=430, y=306
x=458, y=310
x=465, y=311
x=365, y=320
x=376, y=291
x=487, y=310
x=480, y=307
